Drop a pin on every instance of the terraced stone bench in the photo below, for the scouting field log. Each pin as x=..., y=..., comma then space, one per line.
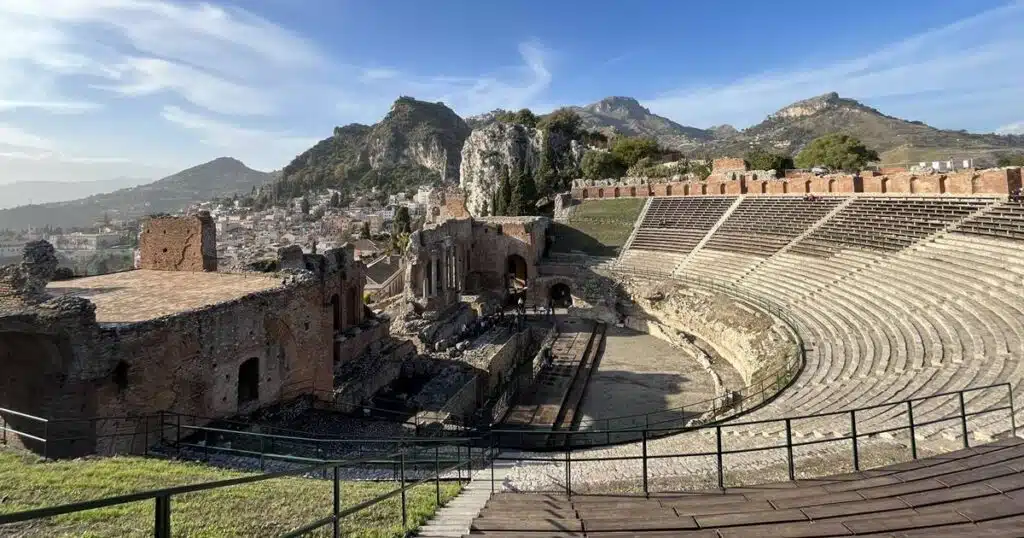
x=972, y=492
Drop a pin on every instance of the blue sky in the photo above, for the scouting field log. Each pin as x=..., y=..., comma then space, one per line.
x=93, y=89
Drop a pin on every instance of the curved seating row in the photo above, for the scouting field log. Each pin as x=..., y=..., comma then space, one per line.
x=973, y=492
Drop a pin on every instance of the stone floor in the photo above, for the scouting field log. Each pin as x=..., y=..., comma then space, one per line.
x=133, y=296
x=640, y=373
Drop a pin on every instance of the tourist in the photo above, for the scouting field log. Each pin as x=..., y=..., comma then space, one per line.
x=551, y=307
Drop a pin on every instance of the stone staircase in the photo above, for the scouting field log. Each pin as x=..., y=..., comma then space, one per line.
x=455, y=518
x=636, y=228
x=681, y=267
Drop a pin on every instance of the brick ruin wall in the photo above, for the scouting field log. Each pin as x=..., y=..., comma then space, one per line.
x=179, y=244
x=998, y=181
x=60, y=363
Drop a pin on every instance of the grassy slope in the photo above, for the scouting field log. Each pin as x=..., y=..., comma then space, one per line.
x=267, y=508
x=598, y=227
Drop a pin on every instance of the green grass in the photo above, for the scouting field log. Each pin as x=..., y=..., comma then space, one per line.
x=621, y=209
x=267, y=508
x=598, y=227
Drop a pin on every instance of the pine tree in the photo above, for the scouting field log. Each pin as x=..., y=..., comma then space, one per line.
x=524, y=195
x=504, y=200
x=545, y=181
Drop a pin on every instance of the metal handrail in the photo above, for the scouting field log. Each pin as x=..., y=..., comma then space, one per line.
x=162, y=497
x=853, y=436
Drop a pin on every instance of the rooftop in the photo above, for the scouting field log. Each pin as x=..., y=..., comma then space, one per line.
x=133, y=296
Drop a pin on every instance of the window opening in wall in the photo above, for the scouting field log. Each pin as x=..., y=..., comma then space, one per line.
x=249, y=381
x=121, y=375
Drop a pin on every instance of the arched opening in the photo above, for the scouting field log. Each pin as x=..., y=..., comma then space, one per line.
x=632, y=191
x=515, y=271
x=913, y=185
x=703, y=188
x=831, y=185
x=336, y=311
x=249, y=381
x=942, y=184
x=807, y=186
x=583, y=194
x=600, y=193
x=721, y=188
x=615, y=193
x=885, y=184
x=686, y=189
x=764, y=187
x=560, y=295
x=668, y=190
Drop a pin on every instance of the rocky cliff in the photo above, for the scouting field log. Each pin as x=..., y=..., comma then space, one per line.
x=498, y=147
x=626, y=116
x=415, y=143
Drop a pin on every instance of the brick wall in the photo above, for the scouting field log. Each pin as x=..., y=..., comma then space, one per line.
x=179, y=244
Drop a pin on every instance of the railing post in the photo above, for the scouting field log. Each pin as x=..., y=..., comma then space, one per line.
x=177, y=436
x=337, y=501
x=145, y=439
x=405, y=512
x=46, y=440
x=263, y=466
x=913, y=432
x=963, y=419
x=162, y=523
x=853, y=434
x=491, y=442
x=568, y=469
x=789, y=450
x=437, y=477
x=644, y=456
x=1013, y=419
x=718, y=453
x=469, y=460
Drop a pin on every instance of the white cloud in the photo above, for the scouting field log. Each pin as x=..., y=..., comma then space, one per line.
x=15, y=137
x=982, y=51
x=211, y=73
x=240, y=140
x=1013, y=128
x=56, y=107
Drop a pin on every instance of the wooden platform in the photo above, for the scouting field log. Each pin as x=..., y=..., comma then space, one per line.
x=973, y=492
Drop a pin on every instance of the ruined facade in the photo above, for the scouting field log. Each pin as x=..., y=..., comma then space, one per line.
x=179, y=244
x=161, y=339
x=998, y=181
x=472, y=255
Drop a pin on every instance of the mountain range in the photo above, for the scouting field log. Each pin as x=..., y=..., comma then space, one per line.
x=788, y=130
x=420, y=142
x=220, y=177
x=42, y=192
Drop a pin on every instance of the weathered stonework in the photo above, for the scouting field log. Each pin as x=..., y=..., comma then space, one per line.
x=72, y=358
x=179, y=244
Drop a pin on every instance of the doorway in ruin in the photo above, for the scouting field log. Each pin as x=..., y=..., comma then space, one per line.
x=885, y=184
x=249, y=381
x=515, y=271
x=31, y=365
x=336, y=310
x=560, y=295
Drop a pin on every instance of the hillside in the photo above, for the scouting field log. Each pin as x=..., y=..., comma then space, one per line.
x=220, y=177
x=415, y=143
x=626, y=116
x=897, y=140
x=42, y=192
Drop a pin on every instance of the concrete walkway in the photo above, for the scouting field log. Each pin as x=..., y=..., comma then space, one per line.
x=455, y=517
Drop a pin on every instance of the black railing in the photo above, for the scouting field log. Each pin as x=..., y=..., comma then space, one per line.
x=489, y=443
x=570, y=440
x=328, y=470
